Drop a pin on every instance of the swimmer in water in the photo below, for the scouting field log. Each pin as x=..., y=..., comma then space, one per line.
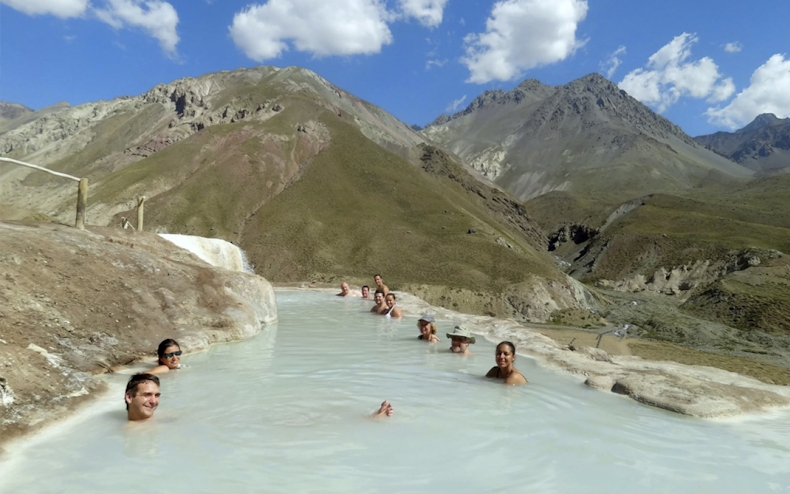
x=169, y=352
x=345, y=291
x=142, y=396
x=427, y=325
x=505, y=356
x=381, y=305
x=366, y=292
x=384, y=411
x=460, y=339
x=392, y=309
x=380, y=284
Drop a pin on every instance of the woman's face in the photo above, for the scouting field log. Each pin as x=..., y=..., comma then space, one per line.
x=504, y=356
x=170, y=359
x=390, y=301
x=425, y=328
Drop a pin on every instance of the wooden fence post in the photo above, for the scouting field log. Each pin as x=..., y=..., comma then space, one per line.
x=82, y=201
x=140, y=212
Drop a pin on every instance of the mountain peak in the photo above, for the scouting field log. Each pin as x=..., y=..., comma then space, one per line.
x=763, y=120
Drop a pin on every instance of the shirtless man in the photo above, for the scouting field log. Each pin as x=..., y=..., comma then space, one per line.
x=380, y=284
x=142, y=396
x=392, y=309
x=381, y=305
x=366, y=292
x=345, y=291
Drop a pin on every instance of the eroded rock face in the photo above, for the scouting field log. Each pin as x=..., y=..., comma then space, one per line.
x=696, y=397
x=73, y=304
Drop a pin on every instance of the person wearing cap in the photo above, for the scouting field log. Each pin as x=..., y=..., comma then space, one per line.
x=460, y=339
x=427, y=325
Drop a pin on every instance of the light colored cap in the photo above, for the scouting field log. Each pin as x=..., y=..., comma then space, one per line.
x=427, y=318
x=462, y=331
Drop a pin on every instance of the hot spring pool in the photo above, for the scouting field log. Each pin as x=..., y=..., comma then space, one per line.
x=286, y=412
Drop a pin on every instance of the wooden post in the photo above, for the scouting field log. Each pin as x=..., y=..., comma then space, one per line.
x=82, y=201
x=140, y=212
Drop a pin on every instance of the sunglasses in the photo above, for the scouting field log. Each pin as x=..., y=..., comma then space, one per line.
x=172, y=354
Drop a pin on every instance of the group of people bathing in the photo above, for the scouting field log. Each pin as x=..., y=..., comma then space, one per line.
x=142, y=391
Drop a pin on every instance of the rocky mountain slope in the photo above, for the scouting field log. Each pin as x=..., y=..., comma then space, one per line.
x=312, y=182
x=586, y=136
x=762, y=146
x=11, y=111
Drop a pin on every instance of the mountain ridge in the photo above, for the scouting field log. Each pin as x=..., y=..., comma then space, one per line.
x=763, y=145
x=538, y=138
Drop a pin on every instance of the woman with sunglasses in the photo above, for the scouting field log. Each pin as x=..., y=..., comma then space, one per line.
x=169, y=352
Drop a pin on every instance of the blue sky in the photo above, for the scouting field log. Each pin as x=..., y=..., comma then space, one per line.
x=706, y=65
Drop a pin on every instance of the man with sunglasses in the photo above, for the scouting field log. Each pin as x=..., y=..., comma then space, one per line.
x=169, y=352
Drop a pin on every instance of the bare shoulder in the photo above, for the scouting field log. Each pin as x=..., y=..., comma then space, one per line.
x=159, y=369
x=516, y=378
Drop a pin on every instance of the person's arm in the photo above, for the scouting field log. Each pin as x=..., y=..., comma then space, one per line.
x=494, y=372
x=397, y=312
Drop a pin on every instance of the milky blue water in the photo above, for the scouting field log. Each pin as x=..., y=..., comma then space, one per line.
x=288, y=412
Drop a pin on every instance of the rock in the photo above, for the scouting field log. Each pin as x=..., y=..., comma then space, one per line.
x=696, y=397
x=595, y=354
x=603, y=383
x=471, y=231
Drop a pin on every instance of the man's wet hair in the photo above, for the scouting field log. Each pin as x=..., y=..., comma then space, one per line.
x=136, y=380
x=374, y=276
x=365, y=286
x=163, y=346
x=378, y=290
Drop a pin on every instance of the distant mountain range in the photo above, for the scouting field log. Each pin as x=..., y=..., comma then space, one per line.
x=587, y=136
x=762, y=146
x=312, y=182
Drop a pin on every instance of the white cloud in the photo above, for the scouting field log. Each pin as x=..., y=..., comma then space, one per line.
x=669, y=75
x=435, y=63
x=612, y=62
x=521, y=35
x=428, y=12
x=456, y=104
x=159, y=19
x=767, y=93
x=319, y=27
x=733, y=47
x=59, y=8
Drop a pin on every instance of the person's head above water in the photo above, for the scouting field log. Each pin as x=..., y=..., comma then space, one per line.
x=377, y=279
x=505, y=356
x=460, y=339
x=427, y=326
x=365, y=291
x=390, y=298
x=378, y=296
x=141, y=396
x=344, y=290
x=169, y=353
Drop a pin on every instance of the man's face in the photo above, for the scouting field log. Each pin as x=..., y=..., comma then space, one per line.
x=344, y=287
x=144, y=401
x=379, y=298
x=458, y=344
x=365, y=292
x=377, y=280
